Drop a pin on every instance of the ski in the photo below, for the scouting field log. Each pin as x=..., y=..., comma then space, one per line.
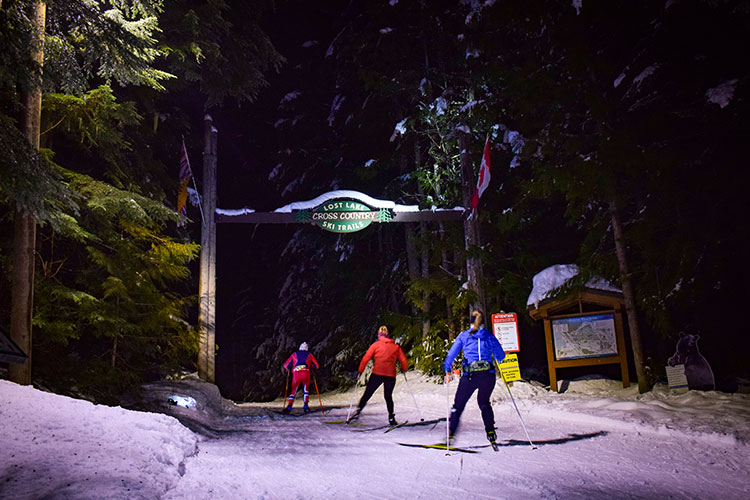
x=303, y=413
x=368, y=429
x=391, y=427
x=442, y=446
x=286, y=413
x=387, y=427
x=426, y=422
x=352, y=423
x=290, y=414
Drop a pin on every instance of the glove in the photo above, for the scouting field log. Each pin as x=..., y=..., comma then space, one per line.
x=448, y=377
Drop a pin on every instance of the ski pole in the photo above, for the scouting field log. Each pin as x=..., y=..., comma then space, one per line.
x=447, y=413
x=351, y=403
x=421, y=418
x=316, y=390
x=286, y=388
x=533, y=446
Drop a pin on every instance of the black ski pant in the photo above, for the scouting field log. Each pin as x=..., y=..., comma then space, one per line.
x=372, y=385
x=484, y=383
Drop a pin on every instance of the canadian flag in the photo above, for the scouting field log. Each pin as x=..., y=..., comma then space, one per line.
x=484, y=176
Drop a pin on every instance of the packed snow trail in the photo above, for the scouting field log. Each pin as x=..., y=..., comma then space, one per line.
x=589, y=447
x=597, y=440
x=307, y=459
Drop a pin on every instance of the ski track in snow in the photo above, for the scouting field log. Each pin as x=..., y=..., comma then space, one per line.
x=634, y=458
x=597, y=440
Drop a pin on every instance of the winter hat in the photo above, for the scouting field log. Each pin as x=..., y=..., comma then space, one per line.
x=383, y=331
x=303, y=346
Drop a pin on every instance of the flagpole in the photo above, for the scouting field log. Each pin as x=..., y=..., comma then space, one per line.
x=474, y=272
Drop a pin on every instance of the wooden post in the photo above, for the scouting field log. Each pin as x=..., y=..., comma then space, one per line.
x=471, y=225
x=550, y=354
x=24, y=231
x=207, y=282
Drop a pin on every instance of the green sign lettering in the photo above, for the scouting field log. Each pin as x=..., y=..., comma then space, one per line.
x=343, y=216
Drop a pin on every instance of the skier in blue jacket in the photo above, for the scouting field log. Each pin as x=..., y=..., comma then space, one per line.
x=481, y=351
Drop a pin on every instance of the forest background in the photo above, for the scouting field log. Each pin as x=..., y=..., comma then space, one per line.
x=633, y=105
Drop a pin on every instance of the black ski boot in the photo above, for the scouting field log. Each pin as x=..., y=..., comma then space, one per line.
x=306, y=409
x=492, y=436
x=354, y=416
x=392, y=420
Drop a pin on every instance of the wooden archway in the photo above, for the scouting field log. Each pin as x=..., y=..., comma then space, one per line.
x=339, y=211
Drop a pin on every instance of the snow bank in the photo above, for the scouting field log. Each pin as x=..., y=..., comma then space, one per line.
x=595, y=440
x=56, y=447
x=205, y=411
x=708, y=416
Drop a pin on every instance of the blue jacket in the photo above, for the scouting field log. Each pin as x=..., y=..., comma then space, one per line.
x=481, y=345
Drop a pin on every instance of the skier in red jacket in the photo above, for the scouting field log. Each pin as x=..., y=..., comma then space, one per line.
x=385, y=352
x=299, y=364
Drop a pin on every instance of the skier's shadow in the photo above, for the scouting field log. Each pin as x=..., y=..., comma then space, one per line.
x=567, y=439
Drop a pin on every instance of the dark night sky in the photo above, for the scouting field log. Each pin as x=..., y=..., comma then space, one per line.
x=248, y=276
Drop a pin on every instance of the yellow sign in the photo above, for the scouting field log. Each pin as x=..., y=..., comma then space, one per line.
x=509, y=368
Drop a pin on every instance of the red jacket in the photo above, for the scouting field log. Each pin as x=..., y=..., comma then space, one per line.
x=301, y=360
x=386, y=353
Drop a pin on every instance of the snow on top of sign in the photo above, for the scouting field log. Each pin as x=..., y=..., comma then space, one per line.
x=454, y=209
x=344, y=193
x=337, y=194
x=552, y=278
x=234, y=211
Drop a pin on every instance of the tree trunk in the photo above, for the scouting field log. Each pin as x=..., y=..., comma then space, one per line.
x=443, y=250
x=471, y=226
x=425, y=253
x=411, y=250
x=113, y=360
x=425, y=275
x=445, y=263
x=24, y=236
x=411, y=256
x=642, y=372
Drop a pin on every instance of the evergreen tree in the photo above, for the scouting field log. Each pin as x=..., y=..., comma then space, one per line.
x=126, y=57
x=611, y=111
x=107, y=276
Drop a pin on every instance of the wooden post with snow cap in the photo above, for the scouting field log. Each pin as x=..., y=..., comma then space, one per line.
x=207, y=281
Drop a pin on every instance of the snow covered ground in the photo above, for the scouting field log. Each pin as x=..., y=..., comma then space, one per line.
x=596, y=440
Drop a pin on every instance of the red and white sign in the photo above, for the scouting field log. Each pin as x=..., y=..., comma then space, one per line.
x=505, y=328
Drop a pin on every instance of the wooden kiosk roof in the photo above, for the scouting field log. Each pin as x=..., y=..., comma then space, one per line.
x=551, y=306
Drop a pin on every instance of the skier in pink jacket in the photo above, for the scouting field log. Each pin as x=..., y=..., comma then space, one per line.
x=299, y=363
